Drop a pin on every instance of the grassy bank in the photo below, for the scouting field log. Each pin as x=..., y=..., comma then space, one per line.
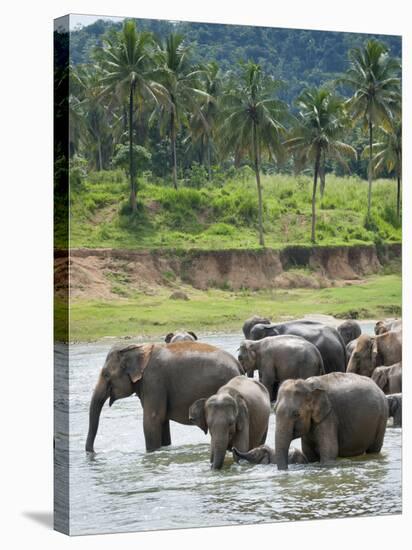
x=155, y=315
x=223, y=214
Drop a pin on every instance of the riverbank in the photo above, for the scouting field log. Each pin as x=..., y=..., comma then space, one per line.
x=153, y=313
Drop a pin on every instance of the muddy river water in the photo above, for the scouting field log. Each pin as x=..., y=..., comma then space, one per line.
x=121, y=488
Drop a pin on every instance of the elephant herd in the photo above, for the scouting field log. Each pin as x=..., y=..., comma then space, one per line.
x=333, y=388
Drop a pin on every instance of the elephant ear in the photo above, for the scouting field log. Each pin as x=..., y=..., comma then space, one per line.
x=380, y=377
x=375, y=353
x=192, y=334
x=242, y=419
x=169, y=337
x=134, y=360
x=197, y=414
x=321, y=406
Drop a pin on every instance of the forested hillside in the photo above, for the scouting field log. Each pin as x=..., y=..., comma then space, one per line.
x=300, y=58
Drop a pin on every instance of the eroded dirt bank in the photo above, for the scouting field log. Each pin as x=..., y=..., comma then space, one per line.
x=102, y=273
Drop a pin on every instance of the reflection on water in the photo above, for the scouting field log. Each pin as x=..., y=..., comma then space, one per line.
x=122, y=488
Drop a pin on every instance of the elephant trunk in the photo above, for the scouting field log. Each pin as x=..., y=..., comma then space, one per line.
x=219, y=449
x=283, y=439
x=239, y=454
x=100, y=395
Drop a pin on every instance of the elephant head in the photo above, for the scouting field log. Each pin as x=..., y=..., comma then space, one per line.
x=251, y=322
x=365, y=356
x=259, y=455
x=381, y=327
x=261, y=330
x=247, y=356
x=180, y=337
x=118, y=378
x=349, y=330
x=300, y=405
x=224, y=414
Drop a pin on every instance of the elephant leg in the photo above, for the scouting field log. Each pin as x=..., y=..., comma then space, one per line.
x=377, y=444
x=327, y=441
x=309, y=452
x=275, y=389
x=154, y=418
x=166, y=439
x=263, y=440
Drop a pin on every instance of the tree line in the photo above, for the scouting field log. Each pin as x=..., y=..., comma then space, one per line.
x=142, y=98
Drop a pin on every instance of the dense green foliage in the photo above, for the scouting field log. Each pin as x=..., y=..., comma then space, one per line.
x=224, y=213
x=148, y=102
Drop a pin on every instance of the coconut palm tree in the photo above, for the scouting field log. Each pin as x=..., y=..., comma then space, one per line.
x=252, y=121
x=374, y=77
x=319, y=124
x=387, y=154
x=181, y=81
x=204, y=119
x=128, y=72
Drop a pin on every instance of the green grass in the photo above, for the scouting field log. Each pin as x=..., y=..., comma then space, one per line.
x=221, y=310
x=223, y=214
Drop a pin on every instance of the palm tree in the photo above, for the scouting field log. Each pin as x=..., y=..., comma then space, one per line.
x=252, y=121
x=204, y=119
x=373, y=75
x=387, y=154
x=127, y=65
x=181, y=82
x=319, y=124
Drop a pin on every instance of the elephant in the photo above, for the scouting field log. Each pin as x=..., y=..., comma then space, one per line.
x=173, y=337
x=374, y=351
x=389, y=379
x=266, y=455
x=237, y=415
x=336, y=415
x=327, y=339
x=251, y=322
x=350, y=346
x=167, y=378
x=349, y=330
x=280, y=357
x=385, y=326
x=395, y=408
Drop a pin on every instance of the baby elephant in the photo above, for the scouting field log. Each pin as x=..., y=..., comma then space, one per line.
x=389, y=379
x=237, y=416
x=266, y=455
x=279, y=358
x=395, y=408
x=173, y=337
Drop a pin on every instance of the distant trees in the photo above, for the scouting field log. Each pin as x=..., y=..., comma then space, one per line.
x=319, y=125
x=144, y=101
x=373, y=77
x=252, y=122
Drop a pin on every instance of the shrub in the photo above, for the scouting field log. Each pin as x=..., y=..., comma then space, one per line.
x=220, y=229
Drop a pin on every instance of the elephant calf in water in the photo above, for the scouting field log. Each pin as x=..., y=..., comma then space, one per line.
x=237, y=416
x=279, y=358
x=266, y=455
x=337, y=414
x=395, y=408
x=389, y=379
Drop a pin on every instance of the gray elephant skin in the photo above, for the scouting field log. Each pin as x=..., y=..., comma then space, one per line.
x=374, y=351
x=385, y=326
x=184, y=336
x=395, y=408
x=349, y=330
x=327, y=339
x=237, y=415
x=251, y=322
x=278, y=358
x=266, y=455
x=167, y=378
x=336, y=415
x=389, y=379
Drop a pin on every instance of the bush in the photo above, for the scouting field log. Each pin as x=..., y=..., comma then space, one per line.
x=196, y=176
x=220, y=229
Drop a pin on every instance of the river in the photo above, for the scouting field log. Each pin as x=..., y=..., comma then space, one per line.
x=121, y=488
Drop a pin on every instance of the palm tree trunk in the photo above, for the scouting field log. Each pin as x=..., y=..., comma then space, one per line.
x=99, y=148
x=209, y=167
x=173, y=143
x=131, y=156
x=370, y=168
x=259, y=187
x=322, y=175
x=315, y=184
x=398, y=198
